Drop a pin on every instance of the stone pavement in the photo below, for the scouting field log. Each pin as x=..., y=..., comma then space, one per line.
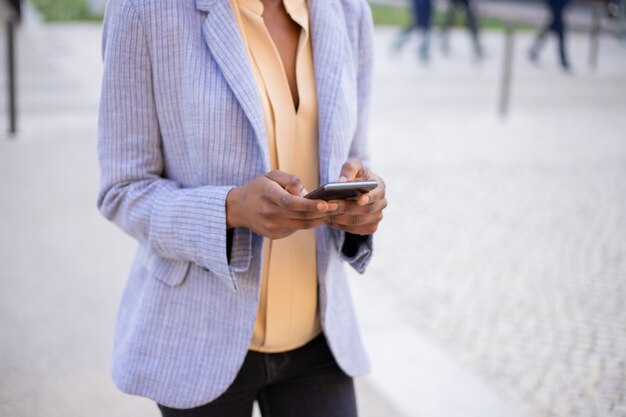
x=497, y=287
x=505, y=240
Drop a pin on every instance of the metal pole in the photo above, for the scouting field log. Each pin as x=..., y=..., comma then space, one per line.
x=594, y=41
x=622, y=20
x=11, y=21
x=507, y=69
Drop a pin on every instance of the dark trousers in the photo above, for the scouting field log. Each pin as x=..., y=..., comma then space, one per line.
x=472, y=22
x=422, y=16
x=305, y=382
x=557, y=26
x=423, y=12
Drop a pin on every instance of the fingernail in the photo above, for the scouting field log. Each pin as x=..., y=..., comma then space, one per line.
x=333, y=207
x=365, y=200
x=343, y=179
x=322, y=206
x=303, y=192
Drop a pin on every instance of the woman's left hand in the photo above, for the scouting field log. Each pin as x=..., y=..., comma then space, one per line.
x=360, y=217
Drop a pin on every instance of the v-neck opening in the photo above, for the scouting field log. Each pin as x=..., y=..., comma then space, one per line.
x=302, y=37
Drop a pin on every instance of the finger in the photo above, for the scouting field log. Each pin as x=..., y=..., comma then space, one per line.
x=356, y=230
x=274, y=211
x=374, y=195
x=284, y=228
x=289, y=182
x=360, y=223
x=300, y=204
x=305, y=224
x=350, y=170
x=353, y=207
x=284, y=205
x=291, y=202
x=364, y=199
x=276, y=193
x=356, y=220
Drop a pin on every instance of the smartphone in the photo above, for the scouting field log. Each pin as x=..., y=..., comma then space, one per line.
x=342, y=190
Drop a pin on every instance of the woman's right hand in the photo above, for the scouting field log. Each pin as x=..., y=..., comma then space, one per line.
x=273, y=205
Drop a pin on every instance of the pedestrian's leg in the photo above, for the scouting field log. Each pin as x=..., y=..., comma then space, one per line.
x=472, y=26
x=424, y=14
x=559, y=29
x=562, y=52
x=538, y=44
x=448, y=20
x=424, y=48
x=403, y=37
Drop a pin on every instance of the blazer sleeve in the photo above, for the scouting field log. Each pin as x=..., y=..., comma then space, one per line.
x=357, y=250
x=175, y=223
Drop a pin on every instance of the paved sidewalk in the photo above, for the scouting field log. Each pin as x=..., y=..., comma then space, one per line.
x=504, y=242
x=497, y=287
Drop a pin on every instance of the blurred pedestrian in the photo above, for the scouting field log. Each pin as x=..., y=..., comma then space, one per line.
x=557, y=26
x=470, y=21
x=421, y=22
x=213, y=120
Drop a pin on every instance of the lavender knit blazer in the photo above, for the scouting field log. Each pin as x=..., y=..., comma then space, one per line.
x=180, y=125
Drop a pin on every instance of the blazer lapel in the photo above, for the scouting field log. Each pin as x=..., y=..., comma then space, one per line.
x=223, y=38
x=327, y=37
x=224, y=41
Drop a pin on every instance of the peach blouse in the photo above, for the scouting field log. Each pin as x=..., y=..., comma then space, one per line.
x=288, y=315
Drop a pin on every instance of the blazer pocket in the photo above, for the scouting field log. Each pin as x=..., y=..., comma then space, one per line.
x=169, y=271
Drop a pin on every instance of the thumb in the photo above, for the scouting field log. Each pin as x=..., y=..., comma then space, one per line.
x=291, y=183
x=351, y=170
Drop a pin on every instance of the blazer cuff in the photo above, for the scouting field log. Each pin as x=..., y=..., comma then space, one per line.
x=194, y=227
x=240, y=250
x=356, y=250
